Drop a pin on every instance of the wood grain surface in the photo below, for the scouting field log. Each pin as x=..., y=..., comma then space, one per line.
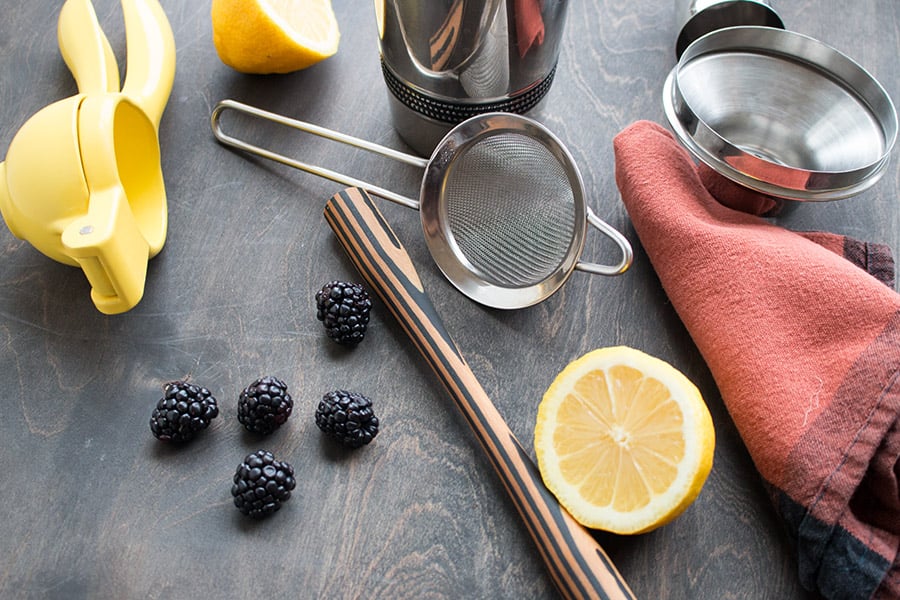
x=579, y=567
x=97, y=508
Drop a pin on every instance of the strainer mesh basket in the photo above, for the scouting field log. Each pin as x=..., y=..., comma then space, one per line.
x=510, y=209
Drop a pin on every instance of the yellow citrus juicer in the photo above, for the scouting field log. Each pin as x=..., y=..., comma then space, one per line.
x=82, y=180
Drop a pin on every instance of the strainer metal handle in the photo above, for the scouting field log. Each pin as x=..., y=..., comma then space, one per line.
x=620, y=240
x=228, y=140
x=496, y=261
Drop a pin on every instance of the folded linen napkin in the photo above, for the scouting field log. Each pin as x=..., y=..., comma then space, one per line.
x=803, y=340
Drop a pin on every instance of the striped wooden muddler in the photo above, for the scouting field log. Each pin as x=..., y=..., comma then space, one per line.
x=578, y=565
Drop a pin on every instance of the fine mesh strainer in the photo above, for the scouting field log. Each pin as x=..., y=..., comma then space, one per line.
x=501, y=203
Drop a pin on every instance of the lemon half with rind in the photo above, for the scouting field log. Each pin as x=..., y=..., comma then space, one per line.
x=274, y=36
x=623, y=440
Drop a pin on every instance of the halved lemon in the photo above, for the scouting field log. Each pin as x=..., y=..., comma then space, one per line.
x=623, y=440
x=274, y=36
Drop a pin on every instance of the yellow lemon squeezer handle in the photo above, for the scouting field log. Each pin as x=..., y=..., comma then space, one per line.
x=85, y=48
x=125, y=223
x=151, y=57
x=150, y=67
x=126, y=220
x=108, y=246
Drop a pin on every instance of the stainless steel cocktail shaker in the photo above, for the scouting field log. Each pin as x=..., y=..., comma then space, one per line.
x=696, y=18
x=446, y=60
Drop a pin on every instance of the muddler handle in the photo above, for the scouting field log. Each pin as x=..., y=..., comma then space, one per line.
x=579, y=566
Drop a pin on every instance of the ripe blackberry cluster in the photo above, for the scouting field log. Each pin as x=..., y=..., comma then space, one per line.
x=182, y=412
x=264, y=405
x=347, y=417
x=344, y=310
x=262, y=484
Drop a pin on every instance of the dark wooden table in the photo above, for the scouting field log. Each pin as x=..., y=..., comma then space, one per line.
x=97, y=508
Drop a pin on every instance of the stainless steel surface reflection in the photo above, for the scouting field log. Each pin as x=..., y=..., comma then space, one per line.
x=696, y=18
x=781, y=113
x=447, y=60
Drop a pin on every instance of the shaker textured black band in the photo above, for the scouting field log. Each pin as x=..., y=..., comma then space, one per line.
x=456, y=112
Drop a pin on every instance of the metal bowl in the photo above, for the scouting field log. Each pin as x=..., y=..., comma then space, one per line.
x=698, y=17
x=781, y=113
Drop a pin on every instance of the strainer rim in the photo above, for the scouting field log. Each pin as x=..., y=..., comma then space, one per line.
x=444, y=249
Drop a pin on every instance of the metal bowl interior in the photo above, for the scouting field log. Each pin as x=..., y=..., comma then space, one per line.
x=781, y=113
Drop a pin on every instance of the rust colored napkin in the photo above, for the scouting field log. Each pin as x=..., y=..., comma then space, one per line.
x=802, y=337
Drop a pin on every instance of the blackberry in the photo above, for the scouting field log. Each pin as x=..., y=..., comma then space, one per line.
x=347, y=417
x=264, y=405
x=182, y=412
x=344, y=310
x=262, y=484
